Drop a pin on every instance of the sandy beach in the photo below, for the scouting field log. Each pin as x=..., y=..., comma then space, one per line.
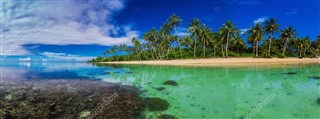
x=225, y=62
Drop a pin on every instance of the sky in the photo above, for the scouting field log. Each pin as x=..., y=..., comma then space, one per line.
x=83, y=29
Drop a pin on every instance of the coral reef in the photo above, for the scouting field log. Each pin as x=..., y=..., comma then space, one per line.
x=71, y=99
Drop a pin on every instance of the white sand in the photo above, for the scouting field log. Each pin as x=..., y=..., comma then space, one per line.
x=225, y=61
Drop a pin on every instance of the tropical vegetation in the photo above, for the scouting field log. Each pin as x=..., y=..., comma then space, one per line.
x=200, y=41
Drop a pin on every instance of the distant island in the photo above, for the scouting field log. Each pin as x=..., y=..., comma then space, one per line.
x=200, y=41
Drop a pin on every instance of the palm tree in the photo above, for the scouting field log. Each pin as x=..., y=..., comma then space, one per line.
x=256, y=34
x=195, y=30
x=153, y=41
x=299, y=45
x=287, y=35
x=306, y=44
x=205, y=33
x=114, y=51
x=165, y=34
x=225, y=33
x=317, y=44
x=186, y=41
x=214, y=40
x=176, y=21
x=123, y=47
x=136, y=47
x=238, y=42
x=271, y=27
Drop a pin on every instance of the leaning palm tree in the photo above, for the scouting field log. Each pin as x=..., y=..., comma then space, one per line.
x=256, y=34
x=176, y=21
x=287, y=35
x=194, y=28
x=113, y=50
x=225, y=33
x=271, y=27
x=123, y=48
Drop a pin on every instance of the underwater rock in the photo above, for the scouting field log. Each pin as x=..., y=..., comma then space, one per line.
x=156, y=104
x=160, y=88
x=318, y=101
x=314, y=77
x=291, y=73
x=166, y=116
x=170, y=82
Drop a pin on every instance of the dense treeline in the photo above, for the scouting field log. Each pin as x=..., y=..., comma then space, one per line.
x=202, y=42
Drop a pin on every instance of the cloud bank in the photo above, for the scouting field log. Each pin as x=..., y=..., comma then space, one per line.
x=61, y=23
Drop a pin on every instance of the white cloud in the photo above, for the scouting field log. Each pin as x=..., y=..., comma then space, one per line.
x=182, y=32
x=243, y=31
x=290, y=13
x=61, y=23
x=249, y=2
x=259, y=20
x=243, y=2
x=65, y=56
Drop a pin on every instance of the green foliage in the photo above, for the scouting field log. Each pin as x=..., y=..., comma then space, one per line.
x=202, y=42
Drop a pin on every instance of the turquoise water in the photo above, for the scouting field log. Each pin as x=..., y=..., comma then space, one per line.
x=289, y=91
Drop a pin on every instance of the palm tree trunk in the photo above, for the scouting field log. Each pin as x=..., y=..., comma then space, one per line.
x=304, y=52
x=214, y=51
x=300, y=52
x=257, y=49
x=139, y=56
x=168, y=52
x=175, y=28
x=253, y=47
x=270, y=40
x=195, y=48
x=204, y=47
x=227, y=46
x=152, y=54
x=222, y=51
x=284, y=49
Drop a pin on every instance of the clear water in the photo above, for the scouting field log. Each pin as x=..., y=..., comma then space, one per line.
x=220, y=92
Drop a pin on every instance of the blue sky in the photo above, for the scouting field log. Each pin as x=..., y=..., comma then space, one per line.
x=78, y=29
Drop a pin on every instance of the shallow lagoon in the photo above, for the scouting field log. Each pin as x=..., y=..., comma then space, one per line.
x=201, y=92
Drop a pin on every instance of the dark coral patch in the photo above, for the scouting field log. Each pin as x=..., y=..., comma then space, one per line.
x=160, y=88
x=170, y=82
x=166, y=116
x=314, y=77
x=156, y=104
x=291, y=73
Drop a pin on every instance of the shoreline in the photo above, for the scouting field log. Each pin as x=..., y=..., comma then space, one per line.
x=216, y=62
